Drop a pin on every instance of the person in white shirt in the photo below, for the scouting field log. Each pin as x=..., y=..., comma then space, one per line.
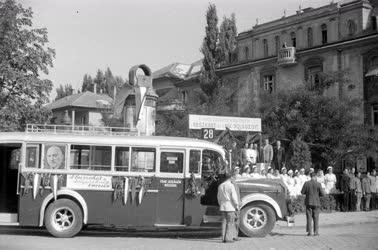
x=270, y=174
x=302, y=178
x=251, y=154
x=237, y=172
x=276, y=174
x=246, y=171
x=284, y=175
x=321, y=178
x=228, y=201
x=330, y=181
x=289, y=182
x=297, y=182
x=255, y=174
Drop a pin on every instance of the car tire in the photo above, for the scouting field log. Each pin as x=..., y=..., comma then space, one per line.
x=257, y=220
x=63, y=218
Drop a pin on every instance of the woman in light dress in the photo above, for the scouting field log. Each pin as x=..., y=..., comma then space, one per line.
x=330, y=181
x=270, y=174
x=290, y=183
x=321, y=178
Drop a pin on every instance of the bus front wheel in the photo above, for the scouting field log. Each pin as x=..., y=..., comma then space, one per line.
x=63, y=218
x=257, y=220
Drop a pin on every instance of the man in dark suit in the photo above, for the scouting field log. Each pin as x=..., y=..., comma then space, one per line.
x=345, y=189
x=313, y=190
x=279, y=156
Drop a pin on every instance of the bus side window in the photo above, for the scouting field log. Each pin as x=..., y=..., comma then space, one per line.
x=90, y=157
x=122, y=158
x=171, y=162
x=211, y=161
x=143, y=159
x=195, y=161
x=33, y=156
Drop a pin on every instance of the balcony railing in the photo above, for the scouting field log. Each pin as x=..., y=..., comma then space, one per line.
x=286, y=56
x=79, y=130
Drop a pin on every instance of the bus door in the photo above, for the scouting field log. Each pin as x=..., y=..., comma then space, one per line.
x=10, y=158
x=171, y=188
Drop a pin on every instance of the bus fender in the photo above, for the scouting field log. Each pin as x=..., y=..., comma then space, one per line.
x=262, y=197
x=61, y=192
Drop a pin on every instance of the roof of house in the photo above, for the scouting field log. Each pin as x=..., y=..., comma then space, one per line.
x=85, y=100
x=179, y=71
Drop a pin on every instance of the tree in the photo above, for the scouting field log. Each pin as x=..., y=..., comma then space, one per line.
x=326, y=124
x=106, y=83
x=24, y=55
x=61, y=91
x=208, y=77
x=227, y=40
x=87, y=83
x=300, y=154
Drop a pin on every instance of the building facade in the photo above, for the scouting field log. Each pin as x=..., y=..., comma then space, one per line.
x=336, y=39
x=82, y=109
x=298, y=49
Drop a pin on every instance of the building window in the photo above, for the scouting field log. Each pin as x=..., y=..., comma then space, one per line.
x=374, y=22
x=351, y=27
x=314, y=76
x=309, y=37
x=324, y=34
x=184, y=96
x=277, y=42
x=293, y=39
x=268, y=83
x=374, y=115
x=265, y=45
x=246, y=52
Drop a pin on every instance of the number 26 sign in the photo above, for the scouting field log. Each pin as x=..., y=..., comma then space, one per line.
x=208, y=133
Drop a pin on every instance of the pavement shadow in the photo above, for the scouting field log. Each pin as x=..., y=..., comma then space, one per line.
x=286, y=234
x=209, y=234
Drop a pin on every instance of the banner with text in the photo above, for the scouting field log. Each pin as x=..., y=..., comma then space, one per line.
x=89, y=182
x=223, y=122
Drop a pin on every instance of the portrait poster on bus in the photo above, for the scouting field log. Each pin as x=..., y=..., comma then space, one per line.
x=54, y=157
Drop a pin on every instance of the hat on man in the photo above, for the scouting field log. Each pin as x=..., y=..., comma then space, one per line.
x=290, y=171
x=311, y=170
x=302, y=170
x=329, y=167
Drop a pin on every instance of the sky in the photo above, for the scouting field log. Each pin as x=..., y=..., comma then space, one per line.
x=95, y=34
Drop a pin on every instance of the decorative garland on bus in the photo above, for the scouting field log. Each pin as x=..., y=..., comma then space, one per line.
x=40, y=182
x=122, y=186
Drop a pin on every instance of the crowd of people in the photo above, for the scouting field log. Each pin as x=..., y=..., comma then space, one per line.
x=353, y=186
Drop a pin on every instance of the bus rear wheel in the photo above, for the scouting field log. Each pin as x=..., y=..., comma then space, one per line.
x=63, y=218
x=257, y=220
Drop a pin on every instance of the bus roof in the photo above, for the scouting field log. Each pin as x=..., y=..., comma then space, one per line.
x=19, y=137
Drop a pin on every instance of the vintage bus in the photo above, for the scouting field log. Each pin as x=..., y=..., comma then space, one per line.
x=64, y=181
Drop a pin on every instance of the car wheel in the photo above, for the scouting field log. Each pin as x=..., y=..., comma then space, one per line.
x=63, y=218
x=257, y=220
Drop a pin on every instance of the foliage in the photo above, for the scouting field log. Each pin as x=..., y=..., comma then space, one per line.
x=24, y=55
x=208, y=78
x=327, y=124
x=64, y=91
x=327, y=204
x=227, y=40
x=217, y=47
x=105, y=82
x=301, y=155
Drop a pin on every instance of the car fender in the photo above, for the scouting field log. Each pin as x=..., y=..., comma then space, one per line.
x=66, y=192
x=261, y=197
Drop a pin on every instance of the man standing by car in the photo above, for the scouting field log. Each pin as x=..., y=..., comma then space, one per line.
x=228, y=205
x=313, y=190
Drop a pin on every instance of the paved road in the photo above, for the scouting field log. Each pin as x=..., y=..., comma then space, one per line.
x=359, y=236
